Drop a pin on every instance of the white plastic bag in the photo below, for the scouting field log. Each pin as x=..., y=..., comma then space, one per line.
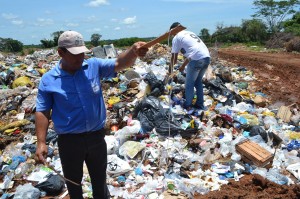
x=117, y=166
x=27, y=191
x=111, y=144
x=294, y=169
x=132, y=129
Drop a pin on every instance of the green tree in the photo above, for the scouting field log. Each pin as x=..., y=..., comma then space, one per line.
x=126, y=41
x=274, y=12
x=293, y=25
x=55, y=36
x=231, y=34
x=10, y=45
x=254, y=30
x=47, y=43
x=204, y=35
x=95, y=39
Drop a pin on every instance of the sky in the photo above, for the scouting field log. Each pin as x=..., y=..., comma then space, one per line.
x=30, y=21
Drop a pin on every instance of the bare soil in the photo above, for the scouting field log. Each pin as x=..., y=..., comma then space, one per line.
x=277, y=73
x=253, y=186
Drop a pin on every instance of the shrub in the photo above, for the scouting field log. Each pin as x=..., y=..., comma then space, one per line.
x=293, y=45
x=279, y=40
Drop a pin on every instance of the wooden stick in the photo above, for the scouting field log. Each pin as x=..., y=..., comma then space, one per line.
x=52, y=168
x=173, y=74
x=164, y=36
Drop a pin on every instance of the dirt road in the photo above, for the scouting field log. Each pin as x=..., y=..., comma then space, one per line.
x=278, y=73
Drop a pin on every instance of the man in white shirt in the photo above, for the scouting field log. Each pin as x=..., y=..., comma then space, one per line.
x=197, y=59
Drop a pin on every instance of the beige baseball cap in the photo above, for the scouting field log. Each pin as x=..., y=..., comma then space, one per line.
x=73, y=42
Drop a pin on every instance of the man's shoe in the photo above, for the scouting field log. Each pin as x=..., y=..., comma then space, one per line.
x=204, y=108
x=190, y=110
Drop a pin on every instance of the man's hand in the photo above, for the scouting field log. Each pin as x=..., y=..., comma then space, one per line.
x=127, y=58
x=41, y=152
x=181, y=68
x=139, y=50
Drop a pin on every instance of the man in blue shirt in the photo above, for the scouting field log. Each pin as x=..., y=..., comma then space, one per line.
x=71, y=96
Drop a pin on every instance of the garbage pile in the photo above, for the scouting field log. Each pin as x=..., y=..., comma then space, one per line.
x=155, y=147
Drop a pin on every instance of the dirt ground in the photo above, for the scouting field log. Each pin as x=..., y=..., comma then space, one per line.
x=277, y=76
x=253, y=186
x=277, y=73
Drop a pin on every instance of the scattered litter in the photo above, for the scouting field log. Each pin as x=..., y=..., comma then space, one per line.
x=156, y=148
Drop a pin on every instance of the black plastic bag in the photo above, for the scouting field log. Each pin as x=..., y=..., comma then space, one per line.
x=217, y=87
x=267, y=136
x=51, y=136
x=157, y=86
x=152, y=115
x=53, y=185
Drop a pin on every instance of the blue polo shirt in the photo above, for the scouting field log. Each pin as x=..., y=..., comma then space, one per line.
x=76, y=100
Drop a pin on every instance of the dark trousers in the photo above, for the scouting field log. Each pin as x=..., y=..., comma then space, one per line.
x=74, y=150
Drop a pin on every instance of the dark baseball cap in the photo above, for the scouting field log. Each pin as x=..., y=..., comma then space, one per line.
x=174, y=25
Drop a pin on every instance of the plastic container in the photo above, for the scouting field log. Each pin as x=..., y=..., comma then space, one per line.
x=274, y=176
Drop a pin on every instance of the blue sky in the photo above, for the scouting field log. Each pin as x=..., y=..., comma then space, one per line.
x=32, y=20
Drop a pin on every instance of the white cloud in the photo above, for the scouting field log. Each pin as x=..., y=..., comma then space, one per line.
x=97, y=29
x=123, y=9
x=131, y=26
x=205, y=1
x=93, y=30
x=9, y=16
x=44, y=22
x=72, y=24
x=92, y=18
x=48, y=12
x=130, y=20
x=17, y=22
x=117, y=28
x=97, y=3
x=114, y=20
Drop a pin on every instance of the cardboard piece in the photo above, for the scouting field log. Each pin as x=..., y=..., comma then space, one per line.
x=284, y=113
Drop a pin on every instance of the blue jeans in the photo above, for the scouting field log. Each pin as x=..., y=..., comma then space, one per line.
x=194, y=74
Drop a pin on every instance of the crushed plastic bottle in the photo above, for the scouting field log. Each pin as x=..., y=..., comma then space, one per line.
x=275, y=176
x=241, y=119
x=163, y=157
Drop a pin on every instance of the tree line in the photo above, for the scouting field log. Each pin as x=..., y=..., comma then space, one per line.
x=267, y=23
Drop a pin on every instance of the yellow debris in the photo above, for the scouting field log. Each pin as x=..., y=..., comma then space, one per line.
x=22, y=81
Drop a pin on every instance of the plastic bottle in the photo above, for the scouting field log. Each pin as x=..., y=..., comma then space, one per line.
x=163, y=157
x=7, y=180
x=275, y=176
x=233, y=103
x=22, y=169
x=241, y=119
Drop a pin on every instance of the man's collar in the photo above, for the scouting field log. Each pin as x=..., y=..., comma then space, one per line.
x=58, y=72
